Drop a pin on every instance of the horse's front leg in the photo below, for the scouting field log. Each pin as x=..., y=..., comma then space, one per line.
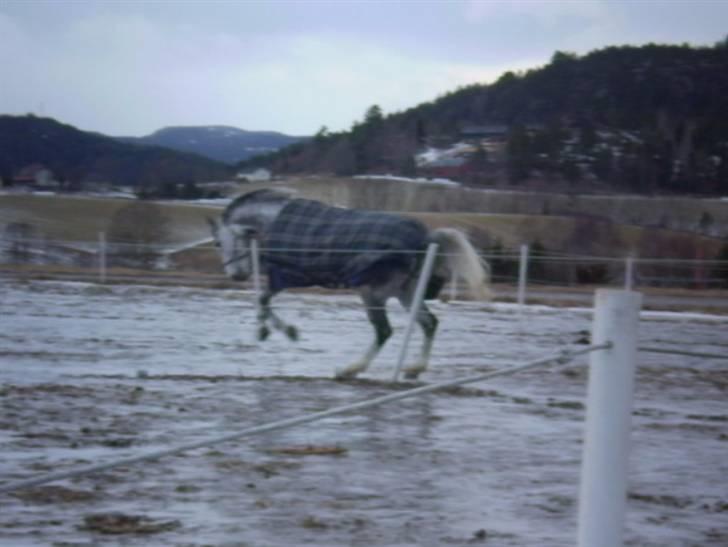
x=377, y=314
x=428, y=322
x=266, y=313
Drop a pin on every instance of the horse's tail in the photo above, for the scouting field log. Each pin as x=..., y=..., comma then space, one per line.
x=458, y=256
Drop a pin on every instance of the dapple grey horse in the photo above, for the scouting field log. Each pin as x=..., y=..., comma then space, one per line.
x=305, y=243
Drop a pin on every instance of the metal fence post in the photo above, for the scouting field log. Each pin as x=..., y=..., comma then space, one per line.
x=603, y=489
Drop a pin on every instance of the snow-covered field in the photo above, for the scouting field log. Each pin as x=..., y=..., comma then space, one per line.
x=91, y=373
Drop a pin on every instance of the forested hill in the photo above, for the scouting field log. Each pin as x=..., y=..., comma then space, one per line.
x=78, y=157
x=645, y=119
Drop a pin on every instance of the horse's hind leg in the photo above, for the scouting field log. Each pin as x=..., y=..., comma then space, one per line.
x=428, y=322
x=377, y=314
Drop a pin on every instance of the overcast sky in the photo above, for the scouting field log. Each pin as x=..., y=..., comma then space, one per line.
x=131, y=67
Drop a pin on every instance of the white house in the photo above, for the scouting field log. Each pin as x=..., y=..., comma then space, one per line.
x=37, y=176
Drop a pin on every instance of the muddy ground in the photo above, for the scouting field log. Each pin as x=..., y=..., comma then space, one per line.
x=92, y=373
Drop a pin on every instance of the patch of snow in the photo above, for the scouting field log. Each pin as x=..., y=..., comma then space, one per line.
x=456, y=151
x=218, y=202
x=120, y=195
x=630, y=136
x=429, y=155
x=419, y=180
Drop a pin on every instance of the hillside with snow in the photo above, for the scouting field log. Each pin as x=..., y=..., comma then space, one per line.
x=218, y=142
x=647, y=120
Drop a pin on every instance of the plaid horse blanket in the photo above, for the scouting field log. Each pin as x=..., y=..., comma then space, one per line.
x=311, y=243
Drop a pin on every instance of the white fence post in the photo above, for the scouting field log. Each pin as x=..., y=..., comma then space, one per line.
x=453, y=288
x=629, y=273
x=416, y=304
x=102, y=257
x=255, y=256
x=522, y=277
x=603, y=490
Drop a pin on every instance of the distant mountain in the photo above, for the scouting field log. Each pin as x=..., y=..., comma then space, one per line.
x=218, y=142
x=648, y=119
x=79, y=157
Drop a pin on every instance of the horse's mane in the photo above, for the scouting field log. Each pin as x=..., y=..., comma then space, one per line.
x=260, y=196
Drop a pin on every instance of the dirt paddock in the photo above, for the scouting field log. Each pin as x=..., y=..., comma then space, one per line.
x=92, y=373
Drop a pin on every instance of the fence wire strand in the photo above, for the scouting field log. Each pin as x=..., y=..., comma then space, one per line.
x=699, y=354
x=547, y=269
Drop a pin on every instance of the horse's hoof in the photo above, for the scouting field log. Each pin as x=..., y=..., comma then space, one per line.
x=292, y=333
x=346, y=374
x=263, y=333
x=412, y=374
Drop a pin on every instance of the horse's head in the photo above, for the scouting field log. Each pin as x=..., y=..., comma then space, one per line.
x=233, y=243
x=245, y=218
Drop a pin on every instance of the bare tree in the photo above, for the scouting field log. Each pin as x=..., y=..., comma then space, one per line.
x=19, y=237
x=135, y=232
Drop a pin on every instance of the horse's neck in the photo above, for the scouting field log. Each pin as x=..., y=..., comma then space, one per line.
x=258, y=215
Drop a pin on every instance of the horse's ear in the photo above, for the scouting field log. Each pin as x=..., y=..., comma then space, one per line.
x=244, y=230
